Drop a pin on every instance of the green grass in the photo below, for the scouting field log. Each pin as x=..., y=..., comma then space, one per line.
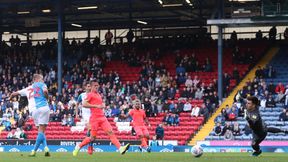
x=144, y=157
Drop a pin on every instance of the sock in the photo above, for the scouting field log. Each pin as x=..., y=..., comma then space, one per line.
x=85, y=142
x=144, y=142
x=115, y=141
x=39, y=140
x=44, y=140
x=274, y=130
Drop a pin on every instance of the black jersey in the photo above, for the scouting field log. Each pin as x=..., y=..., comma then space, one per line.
x=255, y=122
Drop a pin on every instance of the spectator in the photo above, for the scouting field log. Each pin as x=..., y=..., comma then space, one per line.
x=175, y=120
x=218, y=129
x=271, y=72
x=284, y=115
x=108, y=37
x=280, y=87
x=270, y=102
x=130, y=36
x=279, y=98
x=286, y=34
x=189, y=82
x=70, y=120
x=233, y=36
x=226, y=128
x=19, y=134
x=159, y=132
x=259, y=35
x=199, y=94
x=115, y=111
x=187, y=106
x=236, y=129
x=286, y=97
x=220, y=119
x=272, y=33
x=56, y=116
x=64, y=121
x=108, y=111
x=195, y=111
x=154, y=142
x=232, y=113
x=204, y=112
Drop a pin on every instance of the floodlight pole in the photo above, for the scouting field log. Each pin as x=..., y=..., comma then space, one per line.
x=220, y=62
x=60, y=44
x=220, y=51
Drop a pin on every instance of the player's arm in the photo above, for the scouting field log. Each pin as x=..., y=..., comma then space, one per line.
x=146, y=119
x=252, y=119
x=76, y=109
x=13, y=94
x=79, y=100
x=45, y=92
x=86, y=104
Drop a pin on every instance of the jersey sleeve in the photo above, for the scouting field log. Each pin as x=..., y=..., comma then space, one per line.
x=144, y=114
x=79, y=99
x=88, y=97
x=23, y=92
x=44, y=86
x=131, y=112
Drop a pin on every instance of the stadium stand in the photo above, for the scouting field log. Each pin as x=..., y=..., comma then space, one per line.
x=270, y=113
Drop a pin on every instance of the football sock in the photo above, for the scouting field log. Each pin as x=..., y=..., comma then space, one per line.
x=115, y=141
x=85, y=142
x=144, y=142
x=44, y=140
x=39, y=140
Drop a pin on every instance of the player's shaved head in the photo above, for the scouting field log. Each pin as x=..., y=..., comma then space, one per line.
x=137, y=104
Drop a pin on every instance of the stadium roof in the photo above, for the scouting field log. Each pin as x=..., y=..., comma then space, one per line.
x=23, y=16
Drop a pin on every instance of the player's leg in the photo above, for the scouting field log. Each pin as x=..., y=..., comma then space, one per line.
x=35, y=116
x=140, y=135
x=90, y=146
x=108, y=129
x=94, y=126
x=147, y=137
x=43, y=122
x=256, y=144
x=276, y=130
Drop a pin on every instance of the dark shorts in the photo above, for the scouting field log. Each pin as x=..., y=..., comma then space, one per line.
x=258, y=138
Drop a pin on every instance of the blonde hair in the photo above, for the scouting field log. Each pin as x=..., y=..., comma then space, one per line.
x=37, y=77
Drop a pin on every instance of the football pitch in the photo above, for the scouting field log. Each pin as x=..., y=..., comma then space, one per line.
x=144, y=157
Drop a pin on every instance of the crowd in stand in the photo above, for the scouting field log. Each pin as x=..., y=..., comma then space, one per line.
x=155, y=88
x=269, y=95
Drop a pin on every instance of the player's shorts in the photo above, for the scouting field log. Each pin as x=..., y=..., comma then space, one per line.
x=141, y=130
x=41, y=116
x=86, y=113
x=99, y=122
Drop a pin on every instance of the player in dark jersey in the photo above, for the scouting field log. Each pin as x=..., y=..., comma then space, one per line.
x=259, y=128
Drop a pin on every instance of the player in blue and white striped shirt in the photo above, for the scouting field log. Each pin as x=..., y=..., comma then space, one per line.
x=37, y=95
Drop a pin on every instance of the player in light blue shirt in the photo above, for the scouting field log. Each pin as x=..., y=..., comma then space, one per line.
x=37, y=95
x=85, y=113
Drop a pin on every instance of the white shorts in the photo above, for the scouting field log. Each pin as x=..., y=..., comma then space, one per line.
x=86, y=113
x=41, y=116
